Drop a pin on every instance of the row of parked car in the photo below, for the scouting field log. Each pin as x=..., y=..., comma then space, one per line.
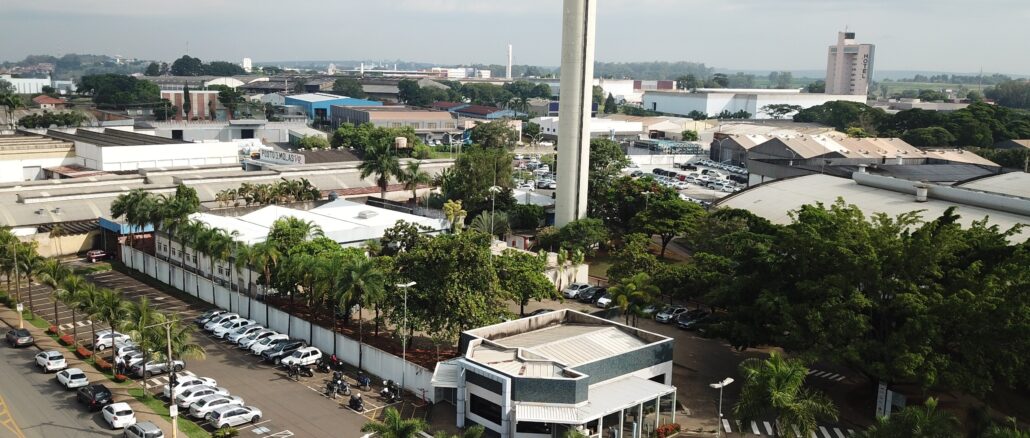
x=585, y=293
x=247, y=334
x=722, y=166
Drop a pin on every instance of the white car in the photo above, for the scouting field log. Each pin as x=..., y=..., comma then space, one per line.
x=604, y=301
x=119, y=415
x=72, y=378
x=269, y=342
x=204, y=406
x=51, y=360
x=525, y=186
x=106, y=339
x=145, y=429
x=573, y=290
x=194, y=394
x=249, y=340
x=233, y=416
x=303, y=356
x=187, y=382
x=219, y=320
x=680, y=185
x=227, y=327
x=242, y=332
x=126, y=349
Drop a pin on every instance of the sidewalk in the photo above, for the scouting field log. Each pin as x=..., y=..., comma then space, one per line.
x=120, y=391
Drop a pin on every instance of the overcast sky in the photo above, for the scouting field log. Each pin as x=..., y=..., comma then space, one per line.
x=934, y=35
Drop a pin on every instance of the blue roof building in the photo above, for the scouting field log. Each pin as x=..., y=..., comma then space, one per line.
x=316, y=105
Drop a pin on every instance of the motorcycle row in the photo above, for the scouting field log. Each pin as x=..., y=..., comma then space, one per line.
x=338, y=385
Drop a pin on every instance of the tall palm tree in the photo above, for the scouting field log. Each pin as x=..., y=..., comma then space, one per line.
x=71, y=294
x=8, y=247
x=89, y=303
x=380, y=160
x=189, y=231
x=52, y=273
x=109, y=308
x=198, y=240
x=412, y=176
x=393, y=426
x=29, y=264
x=140, y=323
x=266, y=259
x=924, y=421
x=136, y=207
x=562, y=260
x=775, y=386
x=244, y=261
x=179, y=340
x=363, y=282
x=633, y=295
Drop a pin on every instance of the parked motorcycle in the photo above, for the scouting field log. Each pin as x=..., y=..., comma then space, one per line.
x=323, y=365
x=357, y=403
x=364, y=382
x=331, y=389
x=296, y=371
x=390, y=392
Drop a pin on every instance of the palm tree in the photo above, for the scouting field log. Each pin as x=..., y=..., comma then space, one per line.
x=924, y=421
x=380, y=160
x=109, y=308
x=141, y=324
x=179, y=340
x=245, y=261
x=393, y=426
x=266, y=258
x=412, y=176
x=52, y=273
x=455, y=215
x=495, y=226
x=88, y=300
x=56, y=233
x=8, y=246
x=71, y=294
x=131, y=207
x=633, y=295
x=29, y=264
x=363, y=282
x=562, y=260
x=775, y=386
x=476, y=431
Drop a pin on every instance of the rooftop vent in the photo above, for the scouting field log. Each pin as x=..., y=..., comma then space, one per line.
x=367, y=214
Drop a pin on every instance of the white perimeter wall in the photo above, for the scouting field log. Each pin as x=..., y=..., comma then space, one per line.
x=715, y=103
x=374, y=361
x=114, y=158
x=18, y=170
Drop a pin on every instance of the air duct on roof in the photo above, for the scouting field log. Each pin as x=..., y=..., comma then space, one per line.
x=367, y=214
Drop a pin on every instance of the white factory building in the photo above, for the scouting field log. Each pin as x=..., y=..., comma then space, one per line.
x=114, y=150
x=598, y=127
x=713, y=101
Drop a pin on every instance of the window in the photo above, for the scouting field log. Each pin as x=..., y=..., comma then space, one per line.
x=485, y=409
x=431, y=125
x=533, y=427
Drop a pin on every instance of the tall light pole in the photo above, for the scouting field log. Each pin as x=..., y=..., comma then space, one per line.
x=494, y=190
x=173, y=409
x=720, y=386
x=577, y=73
x=404, y=329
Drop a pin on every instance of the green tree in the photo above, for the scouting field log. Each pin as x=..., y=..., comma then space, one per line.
x=52, y=274
x=842, y=115
x=413, y=176
x=935, y=136
x=689, y=135
x=633, y=295
x=140, y=323
x=8, y=97
x=493, y=223
x=455, y=214
x=476, y=431
x=108, y=307
x=222, y=68
x=633, y=257
x=667, y=218
x=313, y=142
x=598, y=96
x=230, y=98
x=856, y=132
x=610, y=106
x=119, y=91
x=394, y=426
x=526, y=216
x=364, y=284
x=521, y=277
x=495, y=134
x=349, y=87
x=585, y=235
x=381, y=161
x=154, y=69
x=187, y=66
x=187, y=102
x=775, y=387
x=780, y=110
x=70, y=294
x=924, y=421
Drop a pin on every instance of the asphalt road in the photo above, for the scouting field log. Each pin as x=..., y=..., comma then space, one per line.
x=38, y=405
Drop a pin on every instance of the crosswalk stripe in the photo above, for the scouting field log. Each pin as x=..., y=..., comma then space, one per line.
x=851, y=432
x=811, y=371
x=768, y=428
x=839, y=433
x=826, y=433
x=726, y=425
x=822, y=374
x=832, y=376
x=840, y=378
x=797, y=432
x=754, y=428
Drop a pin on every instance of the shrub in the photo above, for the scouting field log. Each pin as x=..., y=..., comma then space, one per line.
x=421, y=152
x=524, y=217
x=120, y=378
x=66, y=340
x=83, y=352
x=103, y=365
x=667, y=430
x=225, y=432
x=52, y=330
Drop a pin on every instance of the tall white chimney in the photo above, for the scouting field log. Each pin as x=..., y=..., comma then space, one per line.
x=577, y=73
x=507, y=73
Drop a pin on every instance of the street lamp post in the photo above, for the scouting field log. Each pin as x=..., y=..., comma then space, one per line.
x=494, y=190
x=173, y=410
x=404, y=329
x=720, y=386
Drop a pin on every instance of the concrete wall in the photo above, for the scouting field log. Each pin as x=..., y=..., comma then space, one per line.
x=115, y=158
x=715, y=103
x=375, y=361
x=64, y=245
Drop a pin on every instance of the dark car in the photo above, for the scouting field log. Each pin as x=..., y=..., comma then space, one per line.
x=686, y=166
x=19, y=338
x=689, y=320
x=205, y=317
x=591, y=295
x=540, y=312
x=636, y=174
x=277, y=353
x=94, y=396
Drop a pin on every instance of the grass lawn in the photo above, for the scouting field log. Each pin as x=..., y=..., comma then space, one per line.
x=93, y=268
x=191, y=429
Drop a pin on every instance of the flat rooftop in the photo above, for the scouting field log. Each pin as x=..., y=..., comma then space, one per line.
x=112, y=137
x=574, y=344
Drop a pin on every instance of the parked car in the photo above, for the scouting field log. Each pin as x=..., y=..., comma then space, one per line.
x=106, y=339
x=604, y=301
x=219, y=320
x=680, y=185
x=72, y=378
x=526, y=185
x=651, y=309
x=187, y=382
x=206, y=405
x=145, y=429
x=540, y=312
x=249, y=340
x=132, y=359
x=19, y=338
x=687, y=319
x=686, y=166
x=259, y=347
x=669, y=314
x=225, y=328
x=242, y=332
x=636, y=174
x=573, y=290
x=233, y=416
x=194, y=394
x=155, y=367
x=591, y=294
x=205, y=317
x=303, y=356
x=119, y=415
x=94, y=396
x=282, y=350
x=95, y=255
x=51, y=360
x=126, y=349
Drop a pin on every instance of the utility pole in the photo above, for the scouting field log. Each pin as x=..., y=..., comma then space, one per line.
x=577, y=74
x=404, y=329
x=720, y=386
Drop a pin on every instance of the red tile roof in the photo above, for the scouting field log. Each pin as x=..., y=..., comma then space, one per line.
x=47, y=100
x=446, y=105
x=479, y=110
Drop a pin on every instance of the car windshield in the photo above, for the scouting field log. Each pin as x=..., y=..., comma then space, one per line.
x=123, y=412
x=153, y=434
x=77, y=376
x=54, y=355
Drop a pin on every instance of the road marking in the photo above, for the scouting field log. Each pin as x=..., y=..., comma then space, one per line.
x=768, y=427
x=726, y=425
x=754, y=428
x=7, y=420
x=797, y=432
x=851, y=432
x=839, y=433
x=826, y=433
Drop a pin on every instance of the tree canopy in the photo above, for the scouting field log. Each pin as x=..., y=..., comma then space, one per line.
x=119, y=91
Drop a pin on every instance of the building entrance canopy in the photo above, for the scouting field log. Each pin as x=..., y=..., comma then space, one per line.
x=605, y=398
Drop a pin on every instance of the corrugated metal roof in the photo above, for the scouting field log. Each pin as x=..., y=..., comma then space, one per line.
x=605, y=398
x=446, y=374
x=574, y=344
x=1013, y=184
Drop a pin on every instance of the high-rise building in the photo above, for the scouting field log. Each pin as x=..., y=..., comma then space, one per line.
x=849, y=68
x=248, y=65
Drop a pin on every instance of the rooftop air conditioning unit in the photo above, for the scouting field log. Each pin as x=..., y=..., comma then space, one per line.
x=367, y=214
